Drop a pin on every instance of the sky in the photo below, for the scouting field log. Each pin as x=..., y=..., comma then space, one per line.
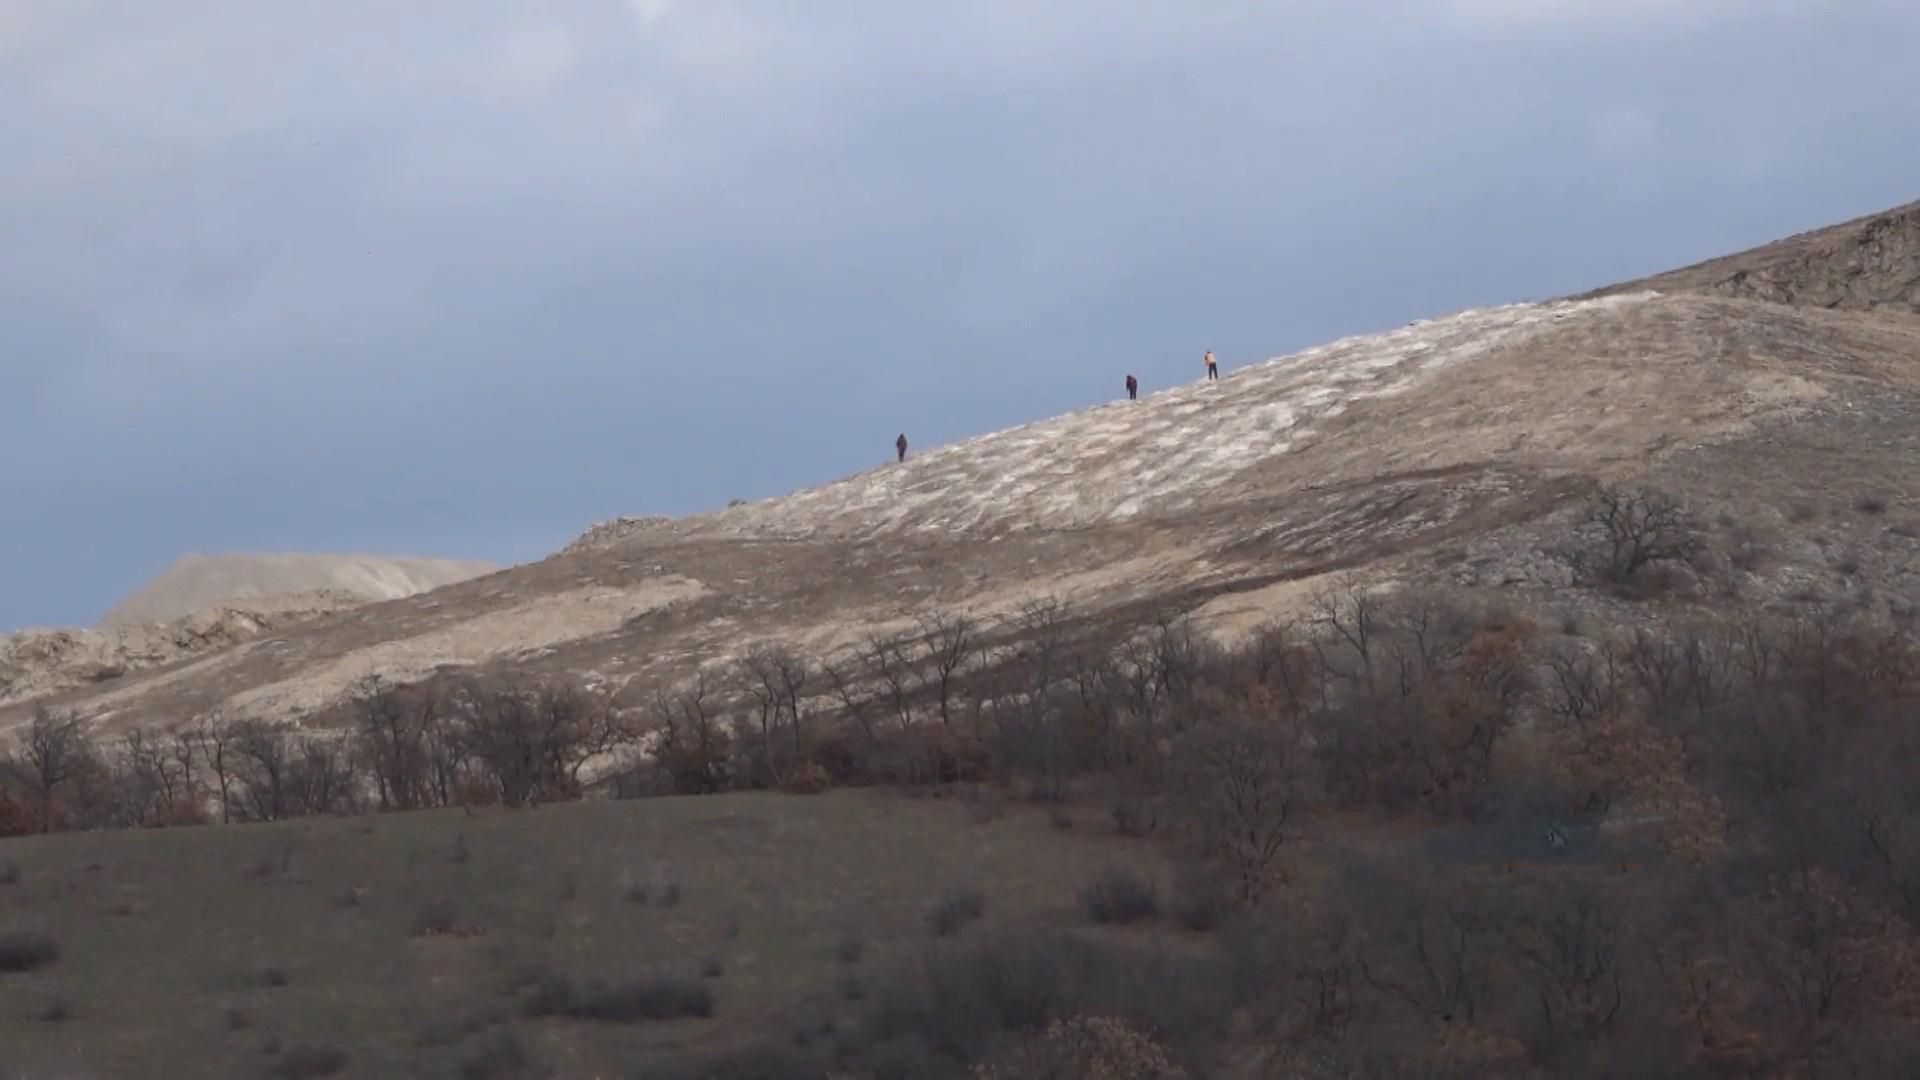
x=463, y=277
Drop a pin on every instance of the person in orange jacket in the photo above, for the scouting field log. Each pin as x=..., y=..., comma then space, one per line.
x=1213, y=366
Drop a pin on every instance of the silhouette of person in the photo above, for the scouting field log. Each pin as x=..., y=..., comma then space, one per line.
x=1213, y=366
x=900, y=444
x=1133, y=388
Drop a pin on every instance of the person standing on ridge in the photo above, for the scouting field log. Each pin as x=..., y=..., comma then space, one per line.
x=1213, y=366
x=900, y=444
x=1133, y=388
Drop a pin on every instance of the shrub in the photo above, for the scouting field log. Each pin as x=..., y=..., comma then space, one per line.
x=955, y=910
x=712, y=968
x=273, y=977
x=1133, y=816
x=57, y=1011
x=1061, y=817
x=651, y=997
x=851, y=948
x=1871, y=504
x=850, y=986
x=964, y=998
x=1086, y=1048
x=499, y=1055
x=1201, y=904
x=9, y=872
x=764, y=1061
x=439, y=918
x=301, y=1062
x=27, y=951
x=809, y=779
x=1120, y=896
x=235, y=1019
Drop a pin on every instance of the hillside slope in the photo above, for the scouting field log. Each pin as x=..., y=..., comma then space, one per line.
x=34, y=663
x=1868, y=263
x=1450, y=449
x=198, y=582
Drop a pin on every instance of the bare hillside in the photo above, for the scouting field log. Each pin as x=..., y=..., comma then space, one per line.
x=1453, y=449
x=34, y=663
x=1869, y=263
x=199, y=582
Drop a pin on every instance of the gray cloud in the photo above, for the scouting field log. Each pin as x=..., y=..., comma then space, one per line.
x=460, y=277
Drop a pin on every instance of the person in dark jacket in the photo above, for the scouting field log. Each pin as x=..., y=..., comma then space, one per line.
x=900, y=444
x=1133, y=388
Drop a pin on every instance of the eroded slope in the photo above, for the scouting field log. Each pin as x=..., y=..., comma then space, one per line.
x=1392, y=454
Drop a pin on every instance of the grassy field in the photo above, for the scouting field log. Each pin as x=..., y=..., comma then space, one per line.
x=411, y=943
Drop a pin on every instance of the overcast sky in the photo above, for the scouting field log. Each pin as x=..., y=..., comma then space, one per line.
x=462, y=277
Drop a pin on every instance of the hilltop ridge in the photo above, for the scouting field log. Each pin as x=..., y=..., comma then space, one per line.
x=197, y=582
x=1869, y=263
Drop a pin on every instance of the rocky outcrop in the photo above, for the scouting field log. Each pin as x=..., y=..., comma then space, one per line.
x=34, y=663
x=1868, y=263
x=608, y=533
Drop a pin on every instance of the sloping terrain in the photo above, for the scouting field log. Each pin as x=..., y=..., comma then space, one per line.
x=198, y=582
x=34, y=663
x=1865, y=264
x=203, y=604
x=1453, y=449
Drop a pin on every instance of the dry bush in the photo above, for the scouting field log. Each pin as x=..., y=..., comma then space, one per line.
x=808, y=778
x=22, y=951
x=763, y=1061
x=436, y=918
x=959, y=907
x=1120, y=896
x=499, y=1054
x=962, y=999
x=648, y=997
x=306, y=1061
x=1086, y=1048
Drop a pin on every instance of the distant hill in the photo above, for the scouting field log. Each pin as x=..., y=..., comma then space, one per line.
x=198, y=582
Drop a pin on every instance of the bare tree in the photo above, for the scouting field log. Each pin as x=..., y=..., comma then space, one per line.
x=693, y=741
x=1237, y=786
x=1349, y=621
x=1580, y=686
x=265, y=778
x=843, y=678
x=950, y=641
x=1633, y=530
x=54, y=752
x=212, y=738
x=392, y=730
x=772, y=677
x=1572, y=945
x=531, y=740
x=889, y=661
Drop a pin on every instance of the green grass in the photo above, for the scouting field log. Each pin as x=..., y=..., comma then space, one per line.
x=770, y=890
